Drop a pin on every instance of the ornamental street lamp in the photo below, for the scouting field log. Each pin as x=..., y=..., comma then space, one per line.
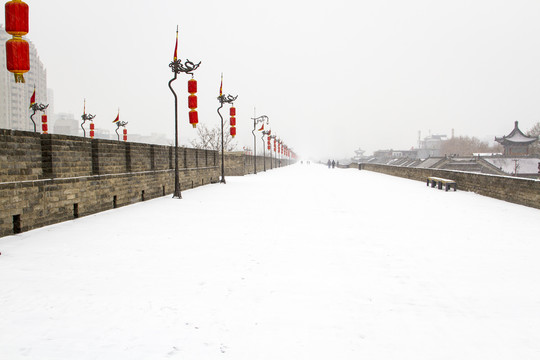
x=177, y=67
x=37, y=107
x=260, y=119
x=265, y=132
x=272, y=137
x=118, y=125
x=278, y=156
x=87, y=117
x=228, y=99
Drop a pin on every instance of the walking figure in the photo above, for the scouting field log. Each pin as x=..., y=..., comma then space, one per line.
x=333, y=164
x=329, y=163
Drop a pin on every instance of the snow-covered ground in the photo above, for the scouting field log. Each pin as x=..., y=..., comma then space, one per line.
x=296, y=263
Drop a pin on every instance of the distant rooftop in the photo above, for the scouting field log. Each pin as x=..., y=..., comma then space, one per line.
x=516, y=137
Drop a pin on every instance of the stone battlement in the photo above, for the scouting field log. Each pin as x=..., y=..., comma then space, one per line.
x=49, y=178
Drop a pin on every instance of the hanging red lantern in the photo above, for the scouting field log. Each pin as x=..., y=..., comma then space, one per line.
x=16, y=18
x=193, y=118
x=125, y=134
x=17, y=49
x=44, y=127
x=192, y=102
x=91, y=130
x=232, y=112
x=18, y=58
x=192, y=86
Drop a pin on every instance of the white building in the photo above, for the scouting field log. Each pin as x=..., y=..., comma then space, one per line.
x=66, y=124
x=15, y=97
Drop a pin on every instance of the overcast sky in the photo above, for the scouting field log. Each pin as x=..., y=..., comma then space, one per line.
x=332, y=76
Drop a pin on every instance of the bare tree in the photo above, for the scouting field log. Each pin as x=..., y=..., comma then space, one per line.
x=466, y=146
x=535, y=131
x=210, y=138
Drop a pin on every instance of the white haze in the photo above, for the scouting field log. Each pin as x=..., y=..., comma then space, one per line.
x=332, y=76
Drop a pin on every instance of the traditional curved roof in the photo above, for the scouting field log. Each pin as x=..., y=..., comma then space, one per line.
x=516, y=137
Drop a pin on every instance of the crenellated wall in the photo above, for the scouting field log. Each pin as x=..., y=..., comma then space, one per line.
x=46, y=179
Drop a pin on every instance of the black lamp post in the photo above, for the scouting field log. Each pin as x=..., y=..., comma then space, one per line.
x=118, y=125
x=265, y=132
x=260, y=119
x=177, y=67
x=280, y=144
x=87, y=117
x=37, y=107
x=229, y=99
x=272, y=137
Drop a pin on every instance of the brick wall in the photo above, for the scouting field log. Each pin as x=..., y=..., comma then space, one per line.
x=516, y=190
x=46, y=179
x=238, y=164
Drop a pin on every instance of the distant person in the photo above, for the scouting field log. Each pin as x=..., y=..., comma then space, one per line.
x=329, y=163
x=333, y=164
x=337, y=163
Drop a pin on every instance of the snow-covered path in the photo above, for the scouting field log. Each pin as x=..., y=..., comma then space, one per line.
x=297, y=263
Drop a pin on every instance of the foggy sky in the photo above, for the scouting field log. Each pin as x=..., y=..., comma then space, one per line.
x=332, y=76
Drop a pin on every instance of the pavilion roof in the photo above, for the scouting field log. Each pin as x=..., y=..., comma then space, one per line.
x=516, y=137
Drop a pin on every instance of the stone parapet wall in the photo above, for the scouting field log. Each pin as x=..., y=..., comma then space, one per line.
x=516, y=190
x=239, y=164
x=49, y=178
x=20, y=156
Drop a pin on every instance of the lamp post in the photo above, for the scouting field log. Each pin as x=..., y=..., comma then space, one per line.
x=272, y=137
x=224, y=99
x=265, y=132
x=118, y=125
x=36, y=107
x=87, y=117
x=260, y=119
x=177, y=67
x=279, y=152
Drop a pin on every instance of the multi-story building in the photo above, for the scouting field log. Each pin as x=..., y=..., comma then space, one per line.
x=15, y=97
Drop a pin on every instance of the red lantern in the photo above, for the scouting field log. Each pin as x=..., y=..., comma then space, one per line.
x=18, y=57
x=233, y=131
x=16, y=18
x=192, y=86
x=192, y=102
x=274, y=145
x=125, y=134
x=193, y=118
x=91, y=130
x=44, y=126
x=233, y=121
x=17, y=49
x=232, y=111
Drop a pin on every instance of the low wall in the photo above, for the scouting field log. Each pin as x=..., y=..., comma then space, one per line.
x=238, y=164
x=516, y=190
x=49, y=178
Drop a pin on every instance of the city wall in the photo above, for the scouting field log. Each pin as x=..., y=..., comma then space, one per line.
x=48, y=178
x=516, y=190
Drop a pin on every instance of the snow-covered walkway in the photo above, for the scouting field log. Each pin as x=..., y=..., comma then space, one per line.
x=296, y=263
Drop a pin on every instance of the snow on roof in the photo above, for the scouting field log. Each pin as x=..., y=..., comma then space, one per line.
x=516, y=136
x=526, y=165
x=429, y=162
